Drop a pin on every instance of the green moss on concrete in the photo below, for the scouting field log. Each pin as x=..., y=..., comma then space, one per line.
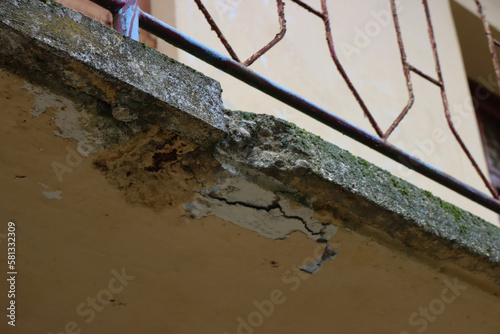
x=463, y=228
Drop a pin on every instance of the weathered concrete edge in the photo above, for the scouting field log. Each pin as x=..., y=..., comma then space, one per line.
x=67, y=48
x=360, y=193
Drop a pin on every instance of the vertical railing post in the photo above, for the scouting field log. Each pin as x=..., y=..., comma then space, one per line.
x=126, y=19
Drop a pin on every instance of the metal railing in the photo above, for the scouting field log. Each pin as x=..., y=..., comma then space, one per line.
x=127, y=17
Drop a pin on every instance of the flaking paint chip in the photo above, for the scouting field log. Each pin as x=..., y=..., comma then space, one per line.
x=52, y=194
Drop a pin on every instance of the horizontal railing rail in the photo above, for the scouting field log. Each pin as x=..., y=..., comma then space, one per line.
x=128, y=17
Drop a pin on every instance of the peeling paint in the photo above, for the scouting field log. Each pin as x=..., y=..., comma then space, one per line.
x=358, y=192
x=52, y=194
x=70, y=121
x=69, y=117
x=43, y=185
x=312, y=267
x=44, y=100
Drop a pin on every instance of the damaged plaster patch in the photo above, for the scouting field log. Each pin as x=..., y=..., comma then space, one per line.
x=312, y=267
x=69, y=117
x=271, y=214
x=42, y=99
x=155, y=168
x=52, y=194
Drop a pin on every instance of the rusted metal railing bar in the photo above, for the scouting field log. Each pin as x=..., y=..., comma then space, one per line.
x=215, y=28
x=130, y=12
x=425, y=76
x=279, y=36
x=406, y=71
x=309, y=9
x=444, y=98
x=406, y=67
x=340, y=68
x=491, y=41
x=326, y=21
x=125, y=16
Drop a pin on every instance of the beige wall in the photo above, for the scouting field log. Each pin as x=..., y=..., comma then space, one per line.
x=301, y=62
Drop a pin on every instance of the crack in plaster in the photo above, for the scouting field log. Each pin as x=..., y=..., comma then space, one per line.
x=274, y=205
x=268, y=213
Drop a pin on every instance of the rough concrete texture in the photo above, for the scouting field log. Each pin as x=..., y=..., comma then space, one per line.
x=91, y=58
x=148, y=166
x=135, y=92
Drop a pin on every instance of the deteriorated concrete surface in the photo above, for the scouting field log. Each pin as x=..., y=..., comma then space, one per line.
x=200, y=205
